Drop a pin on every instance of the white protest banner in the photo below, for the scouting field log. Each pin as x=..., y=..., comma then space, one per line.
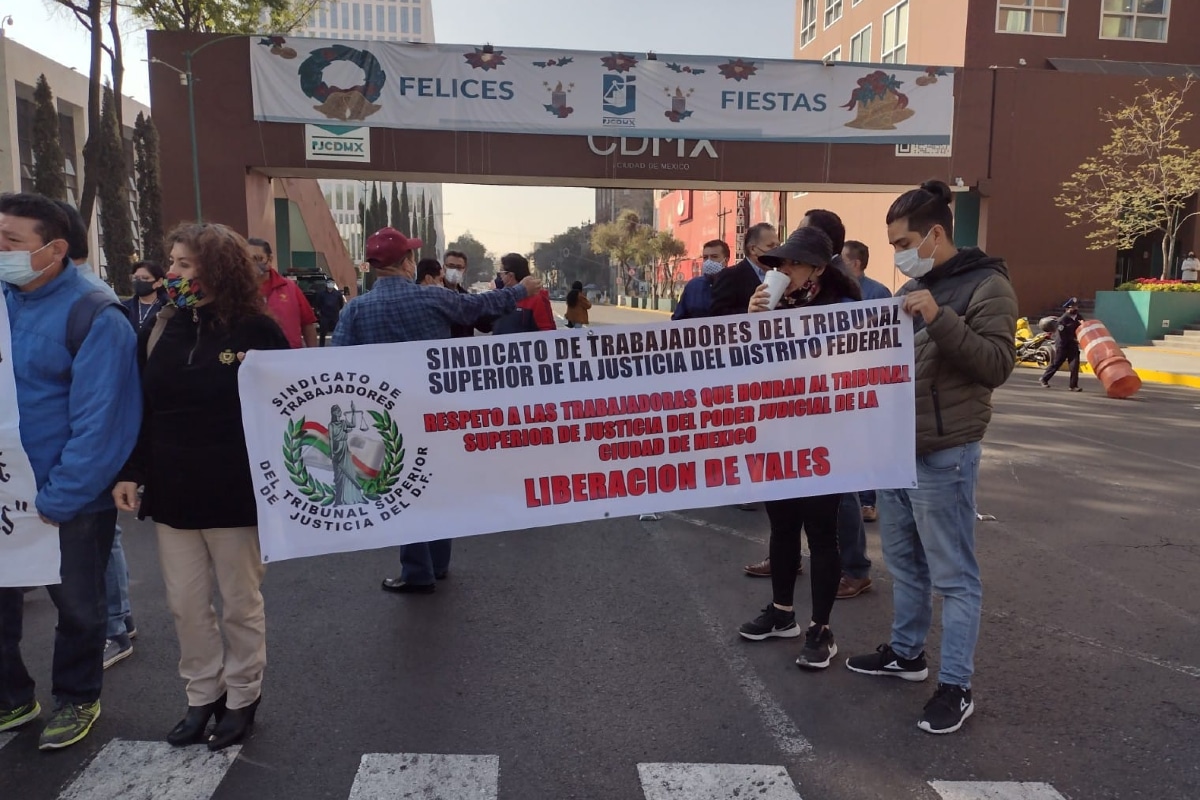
x=28, y=546
x=381, y=445
x=584, y=93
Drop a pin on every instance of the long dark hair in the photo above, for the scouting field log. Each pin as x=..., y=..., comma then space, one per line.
x=223, y=268
x=573, y=295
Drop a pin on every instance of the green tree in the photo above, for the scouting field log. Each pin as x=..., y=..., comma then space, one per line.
x=48, y=161
x=418, y=217
x=479, y=263
x=394, y=210
x=116, y=218
x=405, y=215
x=149, y=186
x=627, y=241
x=668, y=250
x=1143, y=180
x=373, y=223
x=224, y=16
x=570, y=253
x=430, y=237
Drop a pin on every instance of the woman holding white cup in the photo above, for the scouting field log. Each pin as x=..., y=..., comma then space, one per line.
x=801, y=275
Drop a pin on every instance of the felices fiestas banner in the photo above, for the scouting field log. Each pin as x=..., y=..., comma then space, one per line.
x=379, y=445
x=583, y=93
x=29, y=552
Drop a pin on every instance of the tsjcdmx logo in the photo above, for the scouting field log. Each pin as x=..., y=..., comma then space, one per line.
x=620, y=95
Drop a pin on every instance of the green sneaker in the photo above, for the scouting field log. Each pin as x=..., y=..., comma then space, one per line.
x=16, y=717
x=68, y=725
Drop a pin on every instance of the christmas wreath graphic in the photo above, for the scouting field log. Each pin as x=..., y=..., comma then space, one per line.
x=354, y=103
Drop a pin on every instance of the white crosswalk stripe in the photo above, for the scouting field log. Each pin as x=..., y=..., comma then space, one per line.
x=716, y=782
x=392, y=776
x=125, y=770
x=995, y=790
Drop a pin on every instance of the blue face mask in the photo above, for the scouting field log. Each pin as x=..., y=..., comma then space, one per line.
x=16, y=266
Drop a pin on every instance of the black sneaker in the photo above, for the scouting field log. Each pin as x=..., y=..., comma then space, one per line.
x=772, y=622
x=947, y=710
x=884, y=661
x=819, y=648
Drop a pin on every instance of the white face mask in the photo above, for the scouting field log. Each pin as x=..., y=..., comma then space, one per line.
x=16, y=266
x=910, y=262
x=453, y=275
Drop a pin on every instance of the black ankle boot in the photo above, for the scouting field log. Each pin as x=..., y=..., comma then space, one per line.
x=233, y=727
x=191, y=728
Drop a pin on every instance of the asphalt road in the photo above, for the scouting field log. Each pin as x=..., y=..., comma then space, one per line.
x=572, y=655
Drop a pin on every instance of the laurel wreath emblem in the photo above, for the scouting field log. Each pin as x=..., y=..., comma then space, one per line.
x=322, y=494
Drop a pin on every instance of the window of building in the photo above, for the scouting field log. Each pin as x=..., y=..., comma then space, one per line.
x=860, y=45
x=346, y=16
x=368, y=17
x=391, y=19
x=357, y=18
x=379, y=22
x=416, y=22
x=833, y=11
x=833, y=55
x=808, y=21
x=1144, y=20
x=322, y=19
x=894, y=48
x=1045, y=17
x=404, y=20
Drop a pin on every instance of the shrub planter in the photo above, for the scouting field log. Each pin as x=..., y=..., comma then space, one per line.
x=1138, y=317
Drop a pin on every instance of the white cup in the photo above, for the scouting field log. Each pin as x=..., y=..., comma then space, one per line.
x=777, y=282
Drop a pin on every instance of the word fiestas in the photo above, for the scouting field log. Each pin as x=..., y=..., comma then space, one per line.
x=772, y=101
x=583, y=487
x=471, y=88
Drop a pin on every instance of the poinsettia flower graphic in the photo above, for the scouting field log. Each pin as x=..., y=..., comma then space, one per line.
x=485, y=58
x=737, y=69
x=619, y=62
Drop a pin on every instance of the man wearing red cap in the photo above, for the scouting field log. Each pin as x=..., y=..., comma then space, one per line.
x=398, y=310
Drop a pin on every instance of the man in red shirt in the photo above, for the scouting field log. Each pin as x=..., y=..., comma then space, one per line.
x=285, y=301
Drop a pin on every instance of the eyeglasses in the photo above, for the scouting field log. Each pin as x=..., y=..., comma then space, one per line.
x=260, y=259
x=503, y=272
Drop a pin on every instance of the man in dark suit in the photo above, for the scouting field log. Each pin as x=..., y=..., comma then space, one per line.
x=733, y=288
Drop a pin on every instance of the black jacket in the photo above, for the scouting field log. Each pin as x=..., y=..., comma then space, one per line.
x=135, y=309
x=1068, y=331
x=733, y=288
x=483, y=324
x=191, y=453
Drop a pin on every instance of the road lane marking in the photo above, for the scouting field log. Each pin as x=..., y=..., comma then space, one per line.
x=124, y=770
x=995, y=790
x=716, y=782
x=1183, y=669
x=750, y=537
x=391, y=776
x=787, y=737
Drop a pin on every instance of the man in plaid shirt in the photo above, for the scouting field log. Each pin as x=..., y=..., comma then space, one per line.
x=398, y=310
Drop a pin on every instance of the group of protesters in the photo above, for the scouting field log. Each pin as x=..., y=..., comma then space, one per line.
x=135, y=408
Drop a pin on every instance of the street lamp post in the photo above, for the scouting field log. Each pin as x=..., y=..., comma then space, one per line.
x=188, y=79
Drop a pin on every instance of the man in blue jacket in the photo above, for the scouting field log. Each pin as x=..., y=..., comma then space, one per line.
x=79, y=399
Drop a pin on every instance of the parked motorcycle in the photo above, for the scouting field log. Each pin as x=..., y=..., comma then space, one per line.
x=1034, y=348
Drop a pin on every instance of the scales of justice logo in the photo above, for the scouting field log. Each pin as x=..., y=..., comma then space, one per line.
x=345, y=456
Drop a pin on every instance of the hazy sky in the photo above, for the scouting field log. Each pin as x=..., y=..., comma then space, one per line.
x=504, y=218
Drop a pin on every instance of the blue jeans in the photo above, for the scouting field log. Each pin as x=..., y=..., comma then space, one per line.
x=422, y=562
x=116, y=582
x=852, y=537
x=928, y=538
x=78, y=668
x=867, y=498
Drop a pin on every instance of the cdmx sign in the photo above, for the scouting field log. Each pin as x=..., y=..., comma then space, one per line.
x=637, y=146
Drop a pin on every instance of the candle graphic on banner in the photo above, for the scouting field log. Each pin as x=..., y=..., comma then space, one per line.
x=678, y=102
x=558, y=98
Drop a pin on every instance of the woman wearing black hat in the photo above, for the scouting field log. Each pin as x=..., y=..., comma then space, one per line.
x=805, y=258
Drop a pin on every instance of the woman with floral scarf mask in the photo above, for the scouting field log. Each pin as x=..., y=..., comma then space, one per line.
x=191, y=458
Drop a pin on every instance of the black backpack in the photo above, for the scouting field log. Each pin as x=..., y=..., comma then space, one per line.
x=517, y=321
